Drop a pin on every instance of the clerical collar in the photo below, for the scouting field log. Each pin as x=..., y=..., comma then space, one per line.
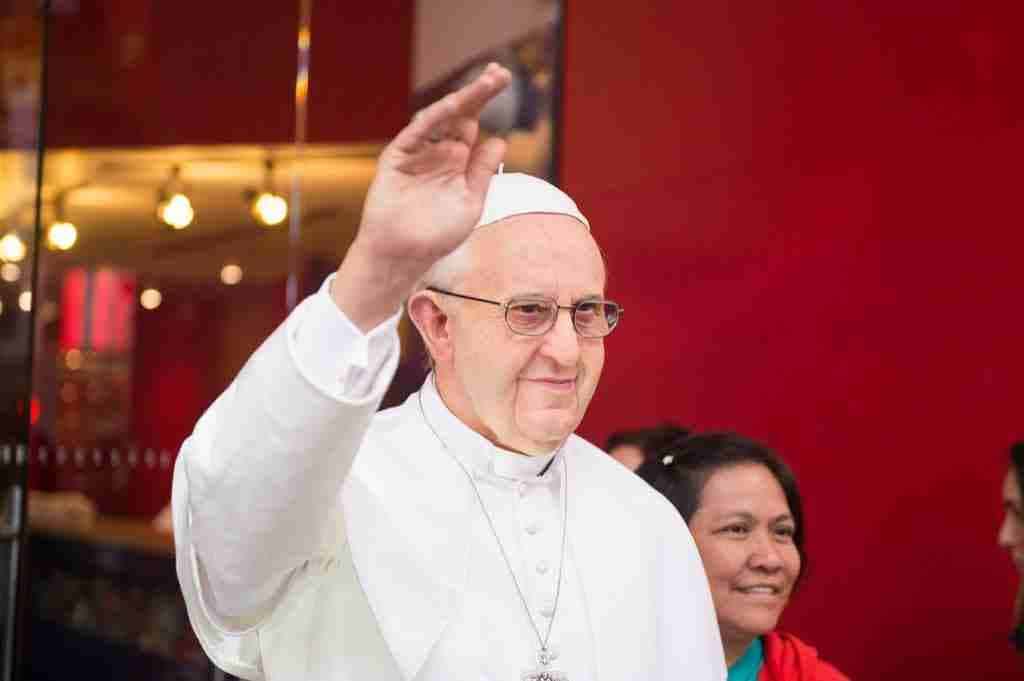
x=476, y=452
x=517, y=466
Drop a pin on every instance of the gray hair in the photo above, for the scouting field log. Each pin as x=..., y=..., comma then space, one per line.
x=446, y=272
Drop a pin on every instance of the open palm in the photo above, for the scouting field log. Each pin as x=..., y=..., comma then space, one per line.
x=431, y=179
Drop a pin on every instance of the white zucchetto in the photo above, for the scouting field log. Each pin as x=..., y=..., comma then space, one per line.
x=518, y=194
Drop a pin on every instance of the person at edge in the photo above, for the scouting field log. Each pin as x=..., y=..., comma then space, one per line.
x=1011, y=533
x=744, y=509
x=632, y=448
x=467, y=533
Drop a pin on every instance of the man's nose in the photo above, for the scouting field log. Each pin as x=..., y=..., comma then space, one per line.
x=562, y=343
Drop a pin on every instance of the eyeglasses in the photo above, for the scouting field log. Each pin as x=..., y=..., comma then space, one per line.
x=535, y=316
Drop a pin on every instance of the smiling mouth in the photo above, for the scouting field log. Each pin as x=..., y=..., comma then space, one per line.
x=561, y=385
x=760, y=590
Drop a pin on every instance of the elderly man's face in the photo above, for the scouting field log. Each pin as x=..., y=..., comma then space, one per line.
x=527, y=392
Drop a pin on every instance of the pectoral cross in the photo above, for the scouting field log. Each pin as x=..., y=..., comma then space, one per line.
x=544, y=672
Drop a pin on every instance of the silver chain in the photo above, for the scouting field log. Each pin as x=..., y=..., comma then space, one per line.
x=544, y=653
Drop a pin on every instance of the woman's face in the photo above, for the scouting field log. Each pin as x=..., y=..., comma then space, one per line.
x=1011, y=532
x=744, y=530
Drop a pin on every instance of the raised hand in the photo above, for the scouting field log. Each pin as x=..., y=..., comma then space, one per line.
x=424, y=201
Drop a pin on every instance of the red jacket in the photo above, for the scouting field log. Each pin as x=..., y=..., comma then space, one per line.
x=787, y=658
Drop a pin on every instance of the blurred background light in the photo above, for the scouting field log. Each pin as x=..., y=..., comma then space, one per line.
x=176, y=212
x=12, y=248
x=61, y=236
x=10, y=272
x=150, y=299
x=231, y=274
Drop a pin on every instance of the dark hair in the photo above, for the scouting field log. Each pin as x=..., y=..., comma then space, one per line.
x=650, y=440
x=1017, y=461
x=681, y=469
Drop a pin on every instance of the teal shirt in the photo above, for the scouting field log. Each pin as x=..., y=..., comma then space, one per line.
x=747, y=667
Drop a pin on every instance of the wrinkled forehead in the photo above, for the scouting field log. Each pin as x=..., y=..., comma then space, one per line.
x=538, y=252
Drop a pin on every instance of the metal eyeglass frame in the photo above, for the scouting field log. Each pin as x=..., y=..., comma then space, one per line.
x=572, y=309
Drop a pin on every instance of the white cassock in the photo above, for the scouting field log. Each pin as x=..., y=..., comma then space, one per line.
x=355, y=546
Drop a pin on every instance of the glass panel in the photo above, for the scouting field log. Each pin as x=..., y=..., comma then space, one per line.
x=21, y=48
x=186, y=207
x=193, y=191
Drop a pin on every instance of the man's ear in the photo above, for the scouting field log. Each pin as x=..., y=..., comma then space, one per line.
x=432, y=323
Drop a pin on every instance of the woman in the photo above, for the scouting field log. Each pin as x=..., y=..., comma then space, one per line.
x=1011, y=532
x=744, y=510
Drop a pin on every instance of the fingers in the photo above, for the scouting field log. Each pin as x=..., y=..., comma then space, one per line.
x=465, y=129
x=483, y=164
x=443, y=116
x=474, y=96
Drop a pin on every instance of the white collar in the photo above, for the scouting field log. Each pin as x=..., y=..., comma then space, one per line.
x=477, y=453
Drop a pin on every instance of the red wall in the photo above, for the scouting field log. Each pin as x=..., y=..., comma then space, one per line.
x=810, y=214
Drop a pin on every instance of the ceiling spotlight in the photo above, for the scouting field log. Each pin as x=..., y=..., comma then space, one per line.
x=173, y=207
x=150, y=299
x=12, y=248
x=61, y=236
x=25, y=301
x=231, y=274
x=269, y=208
x=176, y=211
x=10, y=272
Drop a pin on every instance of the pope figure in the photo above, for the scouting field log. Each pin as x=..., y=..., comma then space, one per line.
x=466, y=534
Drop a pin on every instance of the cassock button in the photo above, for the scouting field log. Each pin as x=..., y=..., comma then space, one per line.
x=548, y=610
x=523, y=489
x=533, y=528
x=542, y=567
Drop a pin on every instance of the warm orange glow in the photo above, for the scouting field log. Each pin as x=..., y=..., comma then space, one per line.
x=73, y=359
x=231, y=274
x=61, y=236
x=12, y=248
x=150, y=299
x=176, y=212
x=270, y=209
x=10, y=272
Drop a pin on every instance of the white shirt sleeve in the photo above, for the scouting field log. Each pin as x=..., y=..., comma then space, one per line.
x=334, y=353
x=262, y=472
